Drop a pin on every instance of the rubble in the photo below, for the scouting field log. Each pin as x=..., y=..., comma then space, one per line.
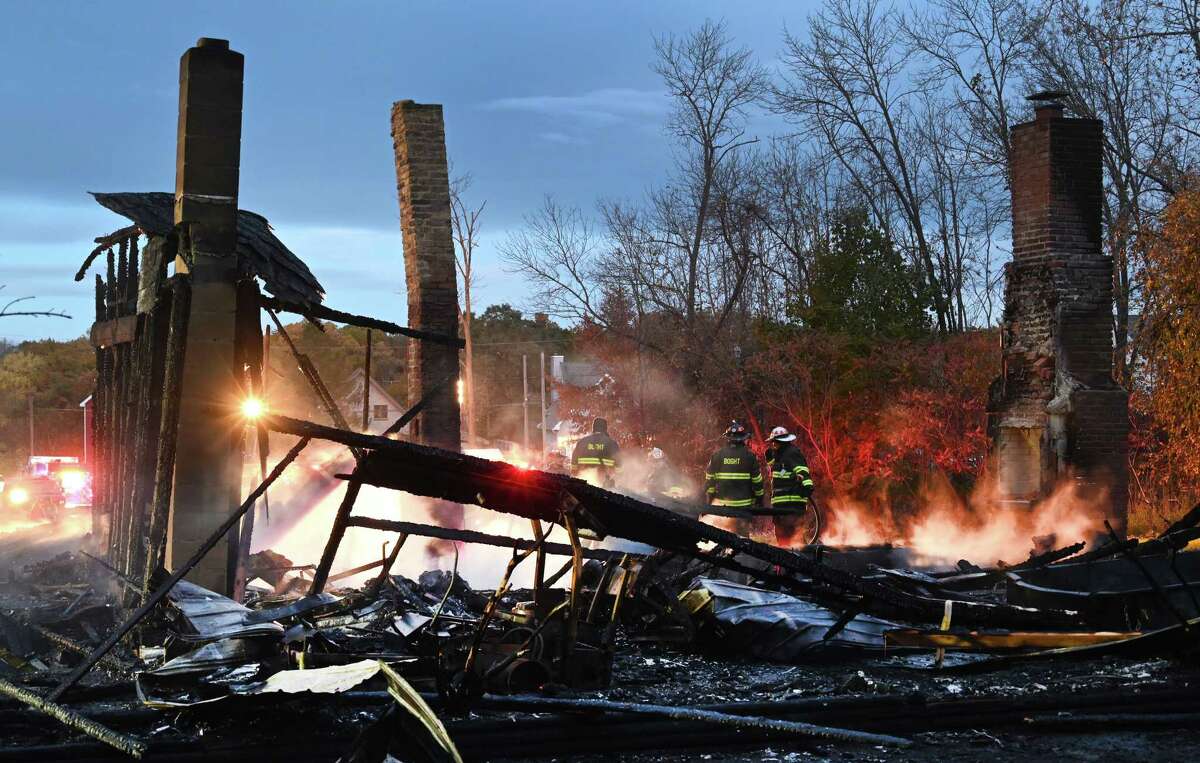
x=649, y=633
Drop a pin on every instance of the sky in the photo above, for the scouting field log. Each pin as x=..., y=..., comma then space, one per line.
x=539, y=98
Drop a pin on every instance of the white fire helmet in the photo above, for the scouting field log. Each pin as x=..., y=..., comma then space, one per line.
x=656, y=454
x=780, y=434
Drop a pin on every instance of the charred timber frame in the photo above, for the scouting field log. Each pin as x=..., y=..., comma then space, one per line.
x=362, y=321
x=538, y=495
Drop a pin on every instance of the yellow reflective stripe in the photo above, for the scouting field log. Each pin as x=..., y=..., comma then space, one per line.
x=608, y=462
x=756, y=478
x=778, y=499
x=799, y=469
x=781, y=475
x=731, y=476
x=807, y=483
x=759, y=492
x=732, y=502
x=587, y=460
x=712, y=491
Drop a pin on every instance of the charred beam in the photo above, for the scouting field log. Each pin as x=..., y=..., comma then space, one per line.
x=471, y=536
x=362, y=321
x=535, y=494
x=68, y=717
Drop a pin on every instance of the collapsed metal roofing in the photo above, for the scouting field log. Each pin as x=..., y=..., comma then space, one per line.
x=283, y=273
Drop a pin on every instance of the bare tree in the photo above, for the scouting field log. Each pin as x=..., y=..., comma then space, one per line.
x=684, y=253
x=1116, y=73
x=850, y=86
x=465, y=222
x=8, y=312
x=712, y=85
x=978, y=50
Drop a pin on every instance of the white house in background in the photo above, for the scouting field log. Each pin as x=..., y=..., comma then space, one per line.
x=383, y=409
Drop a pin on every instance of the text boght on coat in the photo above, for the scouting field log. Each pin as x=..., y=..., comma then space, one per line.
x=734, y=477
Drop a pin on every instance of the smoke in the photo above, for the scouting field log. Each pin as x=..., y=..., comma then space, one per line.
x=305, y=500
x=980, y=527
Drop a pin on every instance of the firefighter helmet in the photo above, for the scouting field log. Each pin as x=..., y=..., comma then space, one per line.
x=737, y=432
x=780, y=434
x=656, y=454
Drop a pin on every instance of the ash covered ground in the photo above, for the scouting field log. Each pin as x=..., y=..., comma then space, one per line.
x=1024, y=711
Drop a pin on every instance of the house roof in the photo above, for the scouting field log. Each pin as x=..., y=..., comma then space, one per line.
x=283, y=273
x=379, y=393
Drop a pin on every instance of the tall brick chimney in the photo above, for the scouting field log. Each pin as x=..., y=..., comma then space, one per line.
x=208, y=458
x=423, y=184
x=1056, y=411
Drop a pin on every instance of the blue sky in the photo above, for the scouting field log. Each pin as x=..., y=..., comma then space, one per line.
x=545, y=97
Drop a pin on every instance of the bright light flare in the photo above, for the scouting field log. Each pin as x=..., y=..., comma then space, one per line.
x=72, y=480
x=253, y=408
x=18, y=496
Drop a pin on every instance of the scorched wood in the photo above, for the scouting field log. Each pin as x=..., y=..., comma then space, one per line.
x=534, y=494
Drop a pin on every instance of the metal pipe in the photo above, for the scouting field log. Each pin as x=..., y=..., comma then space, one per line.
x=524, y=405
x=543, y=418
x=749, y=722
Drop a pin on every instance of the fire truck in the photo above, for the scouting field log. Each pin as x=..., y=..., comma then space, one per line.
x=47, y=487
x=33, y=496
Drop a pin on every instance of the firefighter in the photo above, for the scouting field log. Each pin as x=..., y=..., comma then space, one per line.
x=556, y=462
x=662, y=479
x=791, y=483
x=734, y=477
x=597, y=452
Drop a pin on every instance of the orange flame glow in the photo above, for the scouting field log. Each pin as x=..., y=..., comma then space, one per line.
x=980, y=528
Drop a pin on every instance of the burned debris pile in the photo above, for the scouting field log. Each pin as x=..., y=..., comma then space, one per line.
x=683, y=646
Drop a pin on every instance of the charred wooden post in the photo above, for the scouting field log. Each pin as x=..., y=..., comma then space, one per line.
x=248, y=354
x=208, y=451
x=101, y=519
x=309, y=370
x=340, y=522
x=164, y=456
x=539, y=568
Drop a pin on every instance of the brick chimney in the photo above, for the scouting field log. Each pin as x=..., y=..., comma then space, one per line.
x=1056, y=412
x=208, y=458
x=423, y=183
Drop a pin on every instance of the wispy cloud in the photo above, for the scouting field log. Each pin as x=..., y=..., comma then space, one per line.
x=600, y=108
x=561, y=137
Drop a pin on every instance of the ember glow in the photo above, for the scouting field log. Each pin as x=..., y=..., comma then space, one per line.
x=979, y=527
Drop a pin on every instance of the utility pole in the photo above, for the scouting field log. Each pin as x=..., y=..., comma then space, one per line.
x=367, y=386
x=524, y=402
x=543, y=419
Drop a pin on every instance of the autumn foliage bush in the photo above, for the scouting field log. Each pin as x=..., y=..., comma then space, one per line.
x=873, y=415
x=1165, y=399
